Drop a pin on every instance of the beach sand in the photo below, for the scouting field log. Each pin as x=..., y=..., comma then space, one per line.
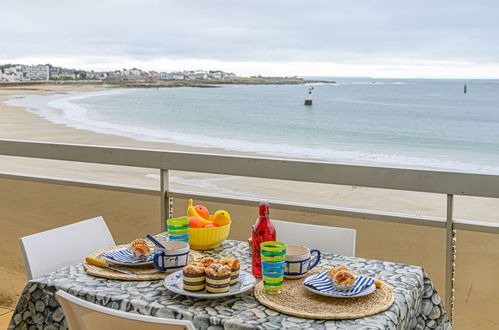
x=27, y=208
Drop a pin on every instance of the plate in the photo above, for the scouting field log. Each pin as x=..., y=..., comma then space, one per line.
x=368, y=290
x=174, y=282
x=124, y=254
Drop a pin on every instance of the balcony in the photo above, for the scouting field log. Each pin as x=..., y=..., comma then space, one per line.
x=433, y=242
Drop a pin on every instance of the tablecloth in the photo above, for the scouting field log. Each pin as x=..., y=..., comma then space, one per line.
x=417, y=304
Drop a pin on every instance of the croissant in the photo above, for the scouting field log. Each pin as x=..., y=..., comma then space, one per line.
x=336, y=269
x=141, y=249
x=344, y=277
x=137, y=242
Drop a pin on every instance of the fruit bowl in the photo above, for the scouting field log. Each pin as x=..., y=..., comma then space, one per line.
x=208, y=238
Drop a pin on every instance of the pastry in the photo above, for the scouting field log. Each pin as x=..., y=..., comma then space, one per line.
x=234, y=265
x=137, y=242
x=193, y=277
x=140, y=249
x=344, y=277
x=206, y=261
x=341, y=278
x=218, y=278
x=336, y=269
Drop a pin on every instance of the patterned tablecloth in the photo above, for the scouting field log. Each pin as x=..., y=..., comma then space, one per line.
x=417, y=304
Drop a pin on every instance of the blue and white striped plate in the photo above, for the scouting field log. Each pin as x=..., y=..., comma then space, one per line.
x=124, y=257
x=320, y=284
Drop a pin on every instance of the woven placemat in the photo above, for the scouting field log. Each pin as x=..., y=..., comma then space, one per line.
x=142, y=273
x=296, y=300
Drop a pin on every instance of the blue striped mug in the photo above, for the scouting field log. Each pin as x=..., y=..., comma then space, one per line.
x=174, y=256
x=299, y=261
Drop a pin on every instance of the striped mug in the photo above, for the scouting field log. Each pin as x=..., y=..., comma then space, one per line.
x=174, y=256
x=299, y=261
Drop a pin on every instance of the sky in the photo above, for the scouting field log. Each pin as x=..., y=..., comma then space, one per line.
x=382, y=38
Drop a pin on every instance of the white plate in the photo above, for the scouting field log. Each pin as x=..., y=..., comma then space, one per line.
x=174, y=282
x=370, y=289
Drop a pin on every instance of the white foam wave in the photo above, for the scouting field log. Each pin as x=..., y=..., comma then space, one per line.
x=61, y=110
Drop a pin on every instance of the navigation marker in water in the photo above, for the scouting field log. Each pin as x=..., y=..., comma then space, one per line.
x=465, y=88
x=308, y=99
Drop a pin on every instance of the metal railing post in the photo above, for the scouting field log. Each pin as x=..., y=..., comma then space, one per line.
x=165, y=205
x=450, y=256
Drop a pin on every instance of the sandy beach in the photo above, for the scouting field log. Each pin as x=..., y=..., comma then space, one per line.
x=27, y=208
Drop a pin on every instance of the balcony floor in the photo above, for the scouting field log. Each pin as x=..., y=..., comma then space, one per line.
x=5, y=316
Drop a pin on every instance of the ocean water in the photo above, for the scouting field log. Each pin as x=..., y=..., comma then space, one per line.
x=408, y=123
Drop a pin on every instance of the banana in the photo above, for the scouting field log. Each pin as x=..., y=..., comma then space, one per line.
x=191, y=212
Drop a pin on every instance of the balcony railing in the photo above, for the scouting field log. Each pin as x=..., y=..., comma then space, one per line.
x=440, y=182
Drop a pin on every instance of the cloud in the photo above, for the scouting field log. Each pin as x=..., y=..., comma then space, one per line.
x=379, y=36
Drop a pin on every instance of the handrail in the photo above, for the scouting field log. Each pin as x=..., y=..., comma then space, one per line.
x=456, y=183
x=436, y=222
x=417, y=180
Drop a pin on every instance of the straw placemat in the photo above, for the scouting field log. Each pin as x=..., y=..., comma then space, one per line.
x=296, y=300
x=142, y=273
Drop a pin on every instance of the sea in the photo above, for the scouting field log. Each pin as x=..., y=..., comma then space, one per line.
x=411, y=123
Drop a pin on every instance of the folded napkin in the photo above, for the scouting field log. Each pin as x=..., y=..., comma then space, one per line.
x=125, y=255
x=321, y=283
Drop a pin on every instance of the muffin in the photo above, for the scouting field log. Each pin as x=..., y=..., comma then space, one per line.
x=140, y=250
x=137, y=242
x=341, y=278
x=206, y=261
x=194, y=278
x=218, y=278
x=234, y=265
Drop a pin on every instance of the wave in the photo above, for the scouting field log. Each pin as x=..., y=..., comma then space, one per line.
x=60, y=109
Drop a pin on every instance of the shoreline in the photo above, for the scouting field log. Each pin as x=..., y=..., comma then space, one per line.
x=60, y=108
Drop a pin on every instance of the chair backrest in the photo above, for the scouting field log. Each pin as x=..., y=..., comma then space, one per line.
x=50, y=250
x=324, y=238
x=82, y=315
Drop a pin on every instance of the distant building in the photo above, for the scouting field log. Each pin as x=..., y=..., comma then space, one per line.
x=12, y=73
x=63, y=73
x=36, y=72
x=228, y=75
x=178, y=76
x=96, y=75
x=215, y=74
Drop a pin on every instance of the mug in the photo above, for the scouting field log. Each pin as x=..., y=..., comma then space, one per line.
x=299, y=261
x=174, y=256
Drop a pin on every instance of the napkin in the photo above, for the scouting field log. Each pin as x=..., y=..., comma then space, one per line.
x=321, y=283
x=124, y=255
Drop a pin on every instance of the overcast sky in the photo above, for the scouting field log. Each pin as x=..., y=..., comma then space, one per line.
x=440, y=38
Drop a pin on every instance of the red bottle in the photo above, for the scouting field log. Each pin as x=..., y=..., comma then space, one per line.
x=263, y=231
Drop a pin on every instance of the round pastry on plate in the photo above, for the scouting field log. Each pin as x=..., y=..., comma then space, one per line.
x=234, y=265
x=341, y=278
x=206, y=261
x=218, y=278
x=140, y=249
x=194, y=278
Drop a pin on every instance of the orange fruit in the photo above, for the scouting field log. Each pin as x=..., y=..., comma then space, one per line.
x=202, y=211
x=195, y=222
x=210, y=225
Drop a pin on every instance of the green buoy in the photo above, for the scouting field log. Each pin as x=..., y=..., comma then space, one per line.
x=465, y=88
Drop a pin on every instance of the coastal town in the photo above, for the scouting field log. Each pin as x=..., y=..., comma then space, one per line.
x=14, y=73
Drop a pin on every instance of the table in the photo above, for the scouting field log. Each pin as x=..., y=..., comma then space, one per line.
x=417, y=304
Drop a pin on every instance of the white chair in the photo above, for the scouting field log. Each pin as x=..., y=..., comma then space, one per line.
x=82, y=315
x=50, y=250
x=324, y=238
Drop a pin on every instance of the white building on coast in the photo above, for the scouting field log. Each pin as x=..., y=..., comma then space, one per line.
x=36, y=72
x=20, y=73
